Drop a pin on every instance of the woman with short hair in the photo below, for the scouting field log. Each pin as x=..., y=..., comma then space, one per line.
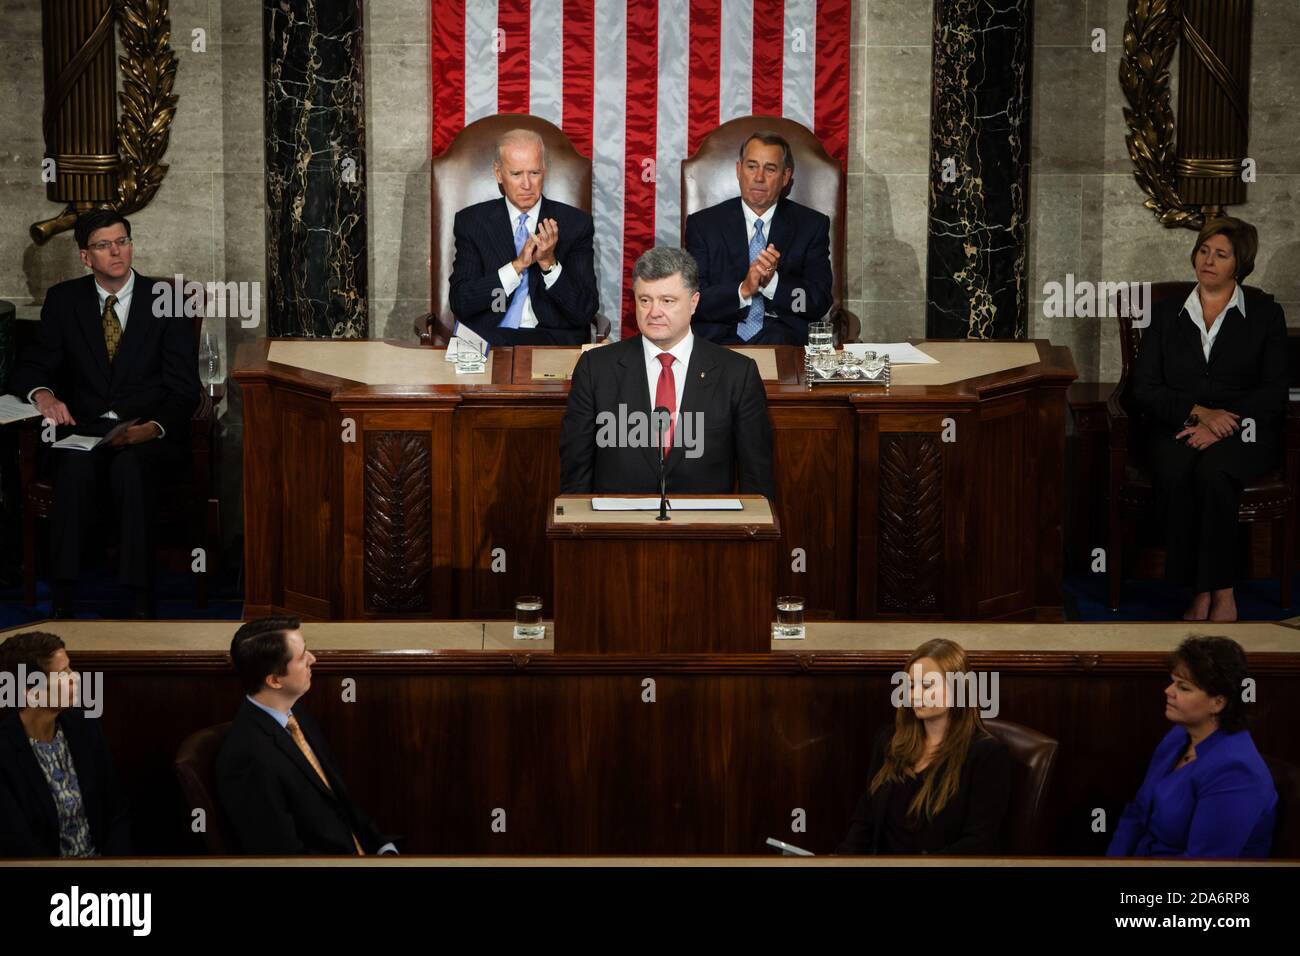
x=1210, y=381
x=1207, y=791
x=59, y=795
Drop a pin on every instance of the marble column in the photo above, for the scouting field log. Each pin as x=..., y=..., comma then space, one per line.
x=979, y=170
x=315, y=169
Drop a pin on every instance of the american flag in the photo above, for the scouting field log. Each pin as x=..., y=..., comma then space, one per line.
x=636, y=85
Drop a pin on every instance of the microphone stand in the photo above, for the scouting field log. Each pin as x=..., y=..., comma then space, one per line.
x=661, y=418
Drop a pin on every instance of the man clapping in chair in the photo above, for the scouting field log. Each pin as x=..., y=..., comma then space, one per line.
x=524, y=272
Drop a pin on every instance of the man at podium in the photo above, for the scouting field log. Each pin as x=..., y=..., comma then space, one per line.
x=666, y=389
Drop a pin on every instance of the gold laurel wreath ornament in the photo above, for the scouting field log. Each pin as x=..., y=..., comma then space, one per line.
x=1150, y=38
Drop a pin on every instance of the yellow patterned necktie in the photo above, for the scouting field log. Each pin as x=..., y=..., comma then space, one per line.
x=112, y=328
x=300, y=739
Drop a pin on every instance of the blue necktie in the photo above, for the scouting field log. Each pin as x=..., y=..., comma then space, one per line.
x=515, y=312
x=754, y=321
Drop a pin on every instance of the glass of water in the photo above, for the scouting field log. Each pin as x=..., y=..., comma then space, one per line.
x=528, y=618
x=820, y=337
x=470, y=358
x=789, y=618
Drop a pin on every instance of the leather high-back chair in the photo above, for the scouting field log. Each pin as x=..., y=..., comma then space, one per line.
x=1033, y=755
x=1272, y=497
x=196, y=766
x=462, y=176
x=1286, y=830
x=709, y=177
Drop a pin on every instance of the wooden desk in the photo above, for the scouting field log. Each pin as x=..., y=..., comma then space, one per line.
x=926, y=501
x=452, y=720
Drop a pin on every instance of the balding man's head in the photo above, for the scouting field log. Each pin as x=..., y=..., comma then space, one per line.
x=520, y=167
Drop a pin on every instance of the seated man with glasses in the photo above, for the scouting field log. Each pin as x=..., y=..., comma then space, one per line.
x=103, y=358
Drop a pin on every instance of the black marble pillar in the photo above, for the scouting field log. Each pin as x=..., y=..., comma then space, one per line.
x=315, y=169
x=979, y=170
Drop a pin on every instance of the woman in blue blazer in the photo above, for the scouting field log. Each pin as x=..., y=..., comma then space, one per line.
x=1207, y=792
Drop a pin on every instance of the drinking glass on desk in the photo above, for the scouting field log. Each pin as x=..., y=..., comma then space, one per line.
x=470, y=358
x=820, y=337
x=789, y=618
x=528, y=618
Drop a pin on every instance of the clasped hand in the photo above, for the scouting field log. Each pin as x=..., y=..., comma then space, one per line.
x=760, y=271
x=1215, y=423
x=539, y=247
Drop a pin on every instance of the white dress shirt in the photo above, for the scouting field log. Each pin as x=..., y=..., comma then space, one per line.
x=122, y=309
x=510, y=279
x=681, y=353
x=752, y=217
x=1193, y=307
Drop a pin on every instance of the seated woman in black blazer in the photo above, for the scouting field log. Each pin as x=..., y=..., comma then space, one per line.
x=938, y=781
x=1211, y=382
x=59, y=795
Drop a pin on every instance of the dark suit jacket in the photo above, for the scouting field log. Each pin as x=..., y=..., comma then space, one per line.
x=274, y=800
x=29, y=823
x=723, y=385
x=716, y=238
x=1246, y=373
x=485, y=242
x=154, y=376
x=1222, y=804
x=971, y=822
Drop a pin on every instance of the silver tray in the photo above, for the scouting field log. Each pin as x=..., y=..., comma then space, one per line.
x=850, y=371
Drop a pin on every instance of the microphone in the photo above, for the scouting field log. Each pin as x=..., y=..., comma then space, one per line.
x=662, y=418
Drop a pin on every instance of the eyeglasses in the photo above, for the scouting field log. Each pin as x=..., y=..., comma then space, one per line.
x=109, y=243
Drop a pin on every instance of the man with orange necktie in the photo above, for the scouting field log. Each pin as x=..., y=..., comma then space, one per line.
x=720, y=437
x=277, y=780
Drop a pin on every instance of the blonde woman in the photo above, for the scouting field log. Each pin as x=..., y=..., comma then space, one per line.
x=938, y=781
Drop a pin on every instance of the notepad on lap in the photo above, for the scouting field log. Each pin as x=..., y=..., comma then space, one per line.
x=87, y=442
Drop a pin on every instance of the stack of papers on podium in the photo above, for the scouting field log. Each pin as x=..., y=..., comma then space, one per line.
x=674, y=504
x=900, y=353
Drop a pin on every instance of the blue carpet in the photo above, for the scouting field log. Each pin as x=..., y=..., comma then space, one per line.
x=1156, y=600
x=102, y=598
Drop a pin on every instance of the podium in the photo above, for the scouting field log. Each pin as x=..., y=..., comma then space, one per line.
x=626, y=583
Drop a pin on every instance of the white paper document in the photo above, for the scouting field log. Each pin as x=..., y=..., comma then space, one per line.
x=674, y=504
x=87, y=442
x=14, y=409
x=79, y=442
x=900, y=353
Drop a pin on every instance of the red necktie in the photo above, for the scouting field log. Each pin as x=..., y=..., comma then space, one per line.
x=666, y=396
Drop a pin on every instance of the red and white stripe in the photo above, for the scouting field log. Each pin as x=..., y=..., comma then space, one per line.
x=636, y=85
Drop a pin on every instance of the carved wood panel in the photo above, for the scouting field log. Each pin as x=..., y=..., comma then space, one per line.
x=910, y=543
x=398, y=530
